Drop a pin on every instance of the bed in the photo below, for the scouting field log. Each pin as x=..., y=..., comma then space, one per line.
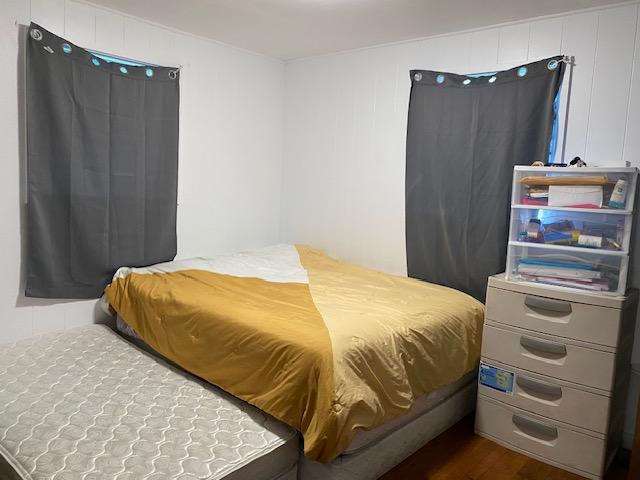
x=86, y=404
x=348, y=356
x=372, y=453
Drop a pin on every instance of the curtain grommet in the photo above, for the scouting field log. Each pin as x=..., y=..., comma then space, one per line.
x=522, y=71
x=95, y=61
x=124, y=70
x=173, y=75
x=66, y=48
x=417, y=77
x=149, y=72
x=466, y=81
x=36, y=34
x=493, y=79
x=440, y=78
x=47, y=48
x=552, y=65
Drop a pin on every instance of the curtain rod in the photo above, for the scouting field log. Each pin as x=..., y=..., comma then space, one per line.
x=126, y=59
x=106, y=54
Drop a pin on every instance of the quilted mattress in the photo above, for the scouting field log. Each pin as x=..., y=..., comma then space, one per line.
x=86, y=405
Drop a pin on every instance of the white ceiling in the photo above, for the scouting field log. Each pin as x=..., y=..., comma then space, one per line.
x=289, y=29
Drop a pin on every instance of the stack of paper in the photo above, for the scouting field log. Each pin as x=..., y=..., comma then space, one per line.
x=566, y=274
x=536, y=196
x=585, y=196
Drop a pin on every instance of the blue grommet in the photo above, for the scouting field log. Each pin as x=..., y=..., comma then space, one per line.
x=552, y=65
x=95, y=61
x=148, y=72
x=493, y=79
x=440, y=78
x=466, y=81
x=522, y=71
x=66, y=48
x=124, y=70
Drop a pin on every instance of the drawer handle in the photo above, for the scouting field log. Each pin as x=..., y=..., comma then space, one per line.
x=544, y=346
x=559, y=306
x=548, y=432
x=537, y=386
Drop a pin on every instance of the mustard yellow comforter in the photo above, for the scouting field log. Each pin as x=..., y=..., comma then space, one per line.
x=324, y=346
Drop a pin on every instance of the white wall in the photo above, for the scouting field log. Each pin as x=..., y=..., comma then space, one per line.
x=344, y=164
x=231, y=137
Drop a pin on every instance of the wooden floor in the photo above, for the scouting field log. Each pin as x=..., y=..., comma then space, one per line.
x=459, y=454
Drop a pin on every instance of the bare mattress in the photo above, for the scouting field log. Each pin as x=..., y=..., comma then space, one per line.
x=86, y=404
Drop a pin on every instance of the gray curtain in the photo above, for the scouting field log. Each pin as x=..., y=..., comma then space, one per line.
x=464, y=136
x=102, y=165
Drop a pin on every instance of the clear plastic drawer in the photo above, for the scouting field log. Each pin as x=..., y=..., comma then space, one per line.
x=574, y=188
x=567, y=228
x=594, y=270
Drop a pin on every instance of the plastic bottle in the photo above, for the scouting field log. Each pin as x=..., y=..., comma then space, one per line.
x=619, y=194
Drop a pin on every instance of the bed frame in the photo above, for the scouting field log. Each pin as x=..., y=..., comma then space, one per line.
x=373, y=461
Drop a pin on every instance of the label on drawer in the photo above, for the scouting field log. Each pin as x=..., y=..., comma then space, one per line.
x=496, y=378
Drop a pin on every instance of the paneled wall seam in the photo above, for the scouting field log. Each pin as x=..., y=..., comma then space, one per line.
x=595, y=55
x=631, y=86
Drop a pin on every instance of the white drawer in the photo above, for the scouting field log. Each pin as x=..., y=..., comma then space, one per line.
x=554, y=399
x=589, y=323
x=549, y=356
x=541, y=437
